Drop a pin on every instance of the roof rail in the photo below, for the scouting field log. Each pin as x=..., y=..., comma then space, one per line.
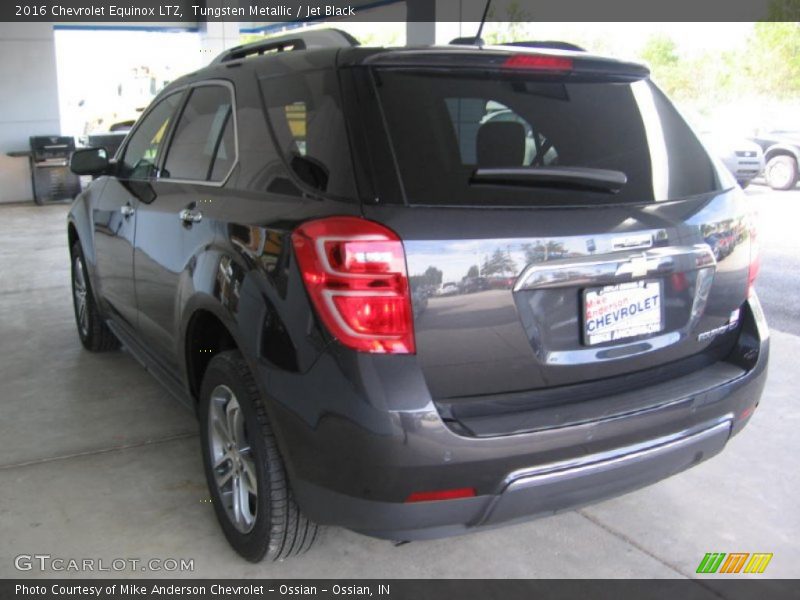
x=299, y=40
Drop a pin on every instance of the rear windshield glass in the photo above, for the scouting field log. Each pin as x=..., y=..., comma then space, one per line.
x=445, y=127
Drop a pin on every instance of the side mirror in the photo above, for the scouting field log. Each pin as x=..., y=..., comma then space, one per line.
x=89, y=161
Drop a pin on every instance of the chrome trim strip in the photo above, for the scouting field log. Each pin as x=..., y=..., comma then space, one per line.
x=603, y=460
x=617, y=267
x=619, y=351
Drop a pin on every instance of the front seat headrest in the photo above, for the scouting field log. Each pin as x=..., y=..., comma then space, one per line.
x=501, y=144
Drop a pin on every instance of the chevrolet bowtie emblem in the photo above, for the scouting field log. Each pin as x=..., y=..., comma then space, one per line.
x=636, y=266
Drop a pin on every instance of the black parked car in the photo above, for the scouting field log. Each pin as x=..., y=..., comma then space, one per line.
x=253, y=240
x=782, y=154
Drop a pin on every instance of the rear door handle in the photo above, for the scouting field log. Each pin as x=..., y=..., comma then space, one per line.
x=188, y=215
x=127, y=210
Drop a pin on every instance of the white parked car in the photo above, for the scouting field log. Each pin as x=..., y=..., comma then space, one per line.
x=743, y=158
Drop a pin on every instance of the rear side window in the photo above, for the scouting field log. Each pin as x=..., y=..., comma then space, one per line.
x=203, y=146
x=443, y=128
x=306, y=118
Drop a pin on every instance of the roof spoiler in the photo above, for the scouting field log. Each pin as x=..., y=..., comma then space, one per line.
x=547, y=44
x=551, y=63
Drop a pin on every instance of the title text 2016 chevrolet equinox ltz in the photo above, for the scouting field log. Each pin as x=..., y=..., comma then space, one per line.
x=419, y=291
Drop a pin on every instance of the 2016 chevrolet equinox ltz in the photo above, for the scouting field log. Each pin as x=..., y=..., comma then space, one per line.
x=273, y=236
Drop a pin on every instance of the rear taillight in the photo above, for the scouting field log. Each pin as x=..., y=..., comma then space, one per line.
x=538, y=62
x=355, y=273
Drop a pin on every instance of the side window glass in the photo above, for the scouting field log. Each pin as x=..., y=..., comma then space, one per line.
x=141, y=153
x=225, y=155
x=296, y=115
x=306, y=117
x=203, y=147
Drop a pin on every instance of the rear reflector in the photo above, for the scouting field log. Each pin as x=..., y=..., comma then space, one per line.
x=442, y=495
x=538, y=62
x=755, y=256
x=752, y=274
x=355, y=273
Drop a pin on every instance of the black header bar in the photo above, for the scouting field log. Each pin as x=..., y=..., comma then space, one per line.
x=706, y=588
x=284, y=11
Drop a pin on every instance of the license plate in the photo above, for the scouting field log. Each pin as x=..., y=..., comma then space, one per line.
x=617, y=312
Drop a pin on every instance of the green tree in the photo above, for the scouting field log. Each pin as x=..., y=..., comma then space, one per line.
x=473, y=271
x=514, y=26
x=500, y=263
x=660, y=51
x=540, y=252
x=771, y=59
x=433, y=276
x=766, y=65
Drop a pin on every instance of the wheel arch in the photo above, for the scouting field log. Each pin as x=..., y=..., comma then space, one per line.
x=72, y=234
x=782, y=150
x=207, y=331
x=80, y=228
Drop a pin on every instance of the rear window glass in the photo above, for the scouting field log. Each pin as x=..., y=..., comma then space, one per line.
x=306, y=118
x=443, y=128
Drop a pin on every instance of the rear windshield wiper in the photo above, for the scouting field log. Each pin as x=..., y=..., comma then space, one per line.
x=603, y=180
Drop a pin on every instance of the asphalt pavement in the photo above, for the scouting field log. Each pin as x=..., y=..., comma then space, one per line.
x=778, y=283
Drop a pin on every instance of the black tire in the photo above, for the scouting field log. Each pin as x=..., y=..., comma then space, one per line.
x=93, y=331
x=781, y=172
x=277, y=528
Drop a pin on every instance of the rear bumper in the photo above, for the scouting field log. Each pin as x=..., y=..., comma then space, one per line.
x=537, y=492
x=357, y=449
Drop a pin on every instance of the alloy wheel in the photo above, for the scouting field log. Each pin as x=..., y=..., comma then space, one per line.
x=79, y=296
x=232, y=459
x=780, y=174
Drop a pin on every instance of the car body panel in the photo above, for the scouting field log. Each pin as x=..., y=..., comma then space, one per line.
x=457, y=332
x=113, y=243
x=360, y=432
x=773, y=141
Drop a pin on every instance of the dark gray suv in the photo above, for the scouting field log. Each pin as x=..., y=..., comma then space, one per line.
x=272, y=239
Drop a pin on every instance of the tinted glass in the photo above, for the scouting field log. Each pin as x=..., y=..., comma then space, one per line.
x=203, y=145
x=445, y=127
x=141, y=153
x=306, y=118
x=226, y=153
